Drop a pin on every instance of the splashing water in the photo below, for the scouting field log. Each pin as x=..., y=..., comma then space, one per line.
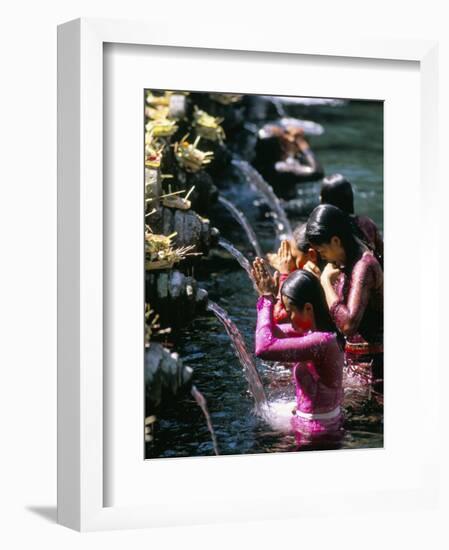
x=246, y=360
x=243, y=221
x=278, y=414
x=281, y=224
x=202, y=403
x=238, y=256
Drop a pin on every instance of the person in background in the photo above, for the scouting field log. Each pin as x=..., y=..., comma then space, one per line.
x=284, y=158
x=310, y=346
x=298, y=158
x=337, y=190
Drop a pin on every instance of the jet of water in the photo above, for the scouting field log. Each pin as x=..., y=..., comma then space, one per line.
x=243, y=221
x=238, y=256
x=246, y=360
x=281, y=224
x=202, y=403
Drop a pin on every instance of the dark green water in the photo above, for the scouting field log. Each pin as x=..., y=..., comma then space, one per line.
x=352, y=145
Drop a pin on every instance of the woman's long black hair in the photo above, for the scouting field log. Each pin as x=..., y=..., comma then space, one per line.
x=302, y=287
x=327, y=221
x=299, y=236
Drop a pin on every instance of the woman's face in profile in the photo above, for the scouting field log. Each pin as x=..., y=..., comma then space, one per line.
x=301, y=320
x=332, y=252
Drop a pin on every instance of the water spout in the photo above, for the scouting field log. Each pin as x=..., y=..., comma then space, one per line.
x=246, y=360
x=235, y=252
x=202, y=403
x=281, y=224
x=243, y=221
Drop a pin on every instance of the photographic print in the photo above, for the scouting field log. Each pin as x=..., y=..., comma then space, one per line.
x=264, y=267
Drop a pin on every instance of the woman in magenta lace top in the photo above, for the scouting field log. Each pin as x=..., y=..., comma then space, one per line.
x=311, y=347
x=352, y=282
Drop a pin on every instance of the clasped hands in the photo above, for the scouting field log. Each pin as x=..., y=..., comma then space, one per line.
x=267, y=284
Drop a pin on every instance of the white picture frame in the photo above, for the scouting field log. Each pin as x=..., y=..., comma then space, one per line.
x=81, y=476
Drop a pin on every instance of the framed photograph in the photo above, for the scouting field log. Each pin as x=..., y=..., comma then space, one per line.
x=228, y=210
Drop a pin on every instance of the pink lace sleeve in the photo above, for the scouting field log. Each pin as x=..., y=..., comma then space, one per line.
x=273, y=347
x=369, y=228
x=347, y=314
x=287, y=330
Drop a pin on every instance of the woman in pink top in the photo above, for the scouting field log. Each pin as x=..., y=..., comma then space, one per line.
x=311, y=347
x=353, y=285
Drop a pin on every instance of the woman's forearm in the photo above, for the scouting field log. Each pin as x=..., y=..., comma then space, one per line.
x=342, y=318
x=329, y=292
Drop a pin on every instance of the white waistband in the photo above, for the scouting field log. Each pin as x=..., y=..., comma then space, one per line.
x=319, y=416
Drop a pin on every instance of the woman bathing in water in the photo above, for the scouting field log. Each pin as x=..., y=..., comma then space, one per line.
x=298, y=158
x=292, y=255
x=310, y=346
x=284, y=157
x=353, y=285
x=337, y=190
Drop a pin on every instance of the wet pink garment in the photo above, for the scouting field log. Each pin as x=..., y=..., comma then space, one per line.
x=317, y=359
x=359, y=307
x=317, y=433
x=317, y=372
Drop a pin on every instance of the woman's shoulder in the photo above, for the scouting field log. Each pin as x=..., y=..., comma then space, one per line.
x=367, y=265
x=365, y=221
x=369, y=260
x=368, y=228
